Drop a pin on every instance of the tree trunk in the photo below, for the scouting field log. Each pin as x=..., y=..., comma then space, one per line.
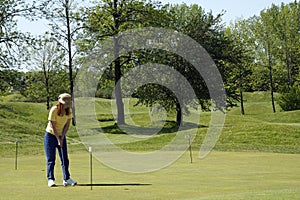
x=118, y=92
x=272, y=93
x=70, y=59
x=48, y=93
x=117, y=65
x=179, y=115
x=241, y=93
x=47, y=86
x=271, y=78
x=242, y=103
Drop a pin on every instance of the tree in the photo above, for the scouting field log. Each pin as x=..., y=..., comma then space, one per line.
x=208, y=31
x=240, y=58
x=65, y=25
x=266, y=44
x=9, y=36
x=172, y=92
x=34, y=85
x=110, y=18
x=48, y=60
x=274, y=38
x=280, y=25
x=11, y=80
x=287, y=30
x=12, y=41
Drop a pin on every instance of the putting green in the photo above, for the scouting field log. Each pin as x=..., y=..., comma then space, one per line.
x=221, y=175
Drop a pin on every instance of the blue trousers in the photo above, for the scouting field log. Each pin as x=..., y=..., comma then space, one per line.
x=50, y=145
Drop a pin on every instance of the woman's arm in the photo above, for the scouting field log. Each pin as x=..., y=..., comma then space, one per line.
x=65, y=129
x=56, y=133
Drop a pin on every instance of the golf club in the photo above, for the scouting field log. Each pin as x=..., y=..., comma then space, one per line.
x=62, y=158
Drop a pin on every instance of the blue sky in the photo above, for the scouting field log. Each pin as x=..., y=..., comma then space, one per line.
x=234, y=9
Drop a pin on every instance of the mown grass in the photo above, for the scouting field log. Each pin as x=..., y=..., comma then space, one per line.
x=221, y=175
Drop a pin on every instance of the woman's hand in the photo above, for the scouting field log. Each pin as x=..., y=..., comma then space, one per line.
x=60, y=141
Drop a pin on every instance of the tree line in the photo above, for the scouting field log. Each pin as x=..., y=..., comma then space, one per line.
x=260, y=53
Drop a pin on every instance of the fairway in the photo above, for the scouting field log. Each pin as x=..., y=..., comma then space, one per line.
x=221, y=175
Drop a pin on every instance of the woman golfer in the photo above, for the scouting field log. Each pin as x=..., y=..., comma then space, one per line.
x=59, y=118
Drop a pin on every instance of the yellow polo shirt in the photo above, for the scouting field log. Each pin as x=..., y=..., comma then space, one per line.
x=60, y=121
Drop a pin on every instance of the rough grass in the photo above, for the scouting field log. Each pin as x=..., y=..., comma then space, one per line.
x=258, y=130
x=261, y=129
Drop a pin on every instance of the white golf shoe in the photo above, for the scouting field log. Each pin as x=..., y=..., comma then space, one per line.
x=51, y=183
x=69, y=182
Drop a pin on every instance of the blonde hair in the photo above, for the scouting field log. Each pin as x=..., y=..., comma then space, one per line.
x=60, y=107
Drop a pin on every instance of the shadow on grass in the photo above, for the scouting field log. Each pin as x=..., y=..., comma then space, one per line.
x=169, y=127
x=114, y=184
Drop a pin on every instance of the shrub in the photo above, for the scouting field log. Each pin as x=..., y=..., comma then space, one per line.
x=290, y=99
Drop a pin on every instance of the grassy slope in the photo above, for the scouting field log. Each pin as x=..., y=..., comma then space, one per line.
x=24, y=122
x=261, y=129
x=258, y=130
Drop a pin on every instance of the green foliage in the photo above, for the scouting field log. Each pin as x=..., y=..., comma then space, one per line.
x=108, y=19
x=8, y=34
x=204, y=28
x=12, y=41
x=35, y=89
x=48, y=76
x=290, y=99
x=11, y=80
x=152, y=94
x=208, y=30
x=273, y=40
